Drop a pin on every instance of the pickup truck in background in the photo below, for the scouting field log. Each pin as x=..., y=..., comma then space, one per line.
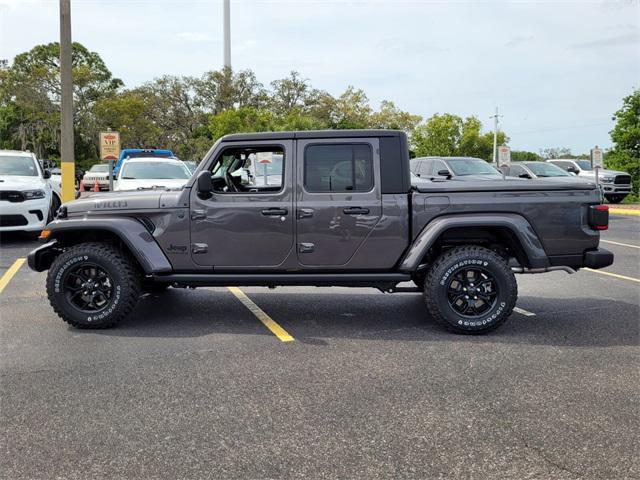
x=615, y=185
x=342, y=212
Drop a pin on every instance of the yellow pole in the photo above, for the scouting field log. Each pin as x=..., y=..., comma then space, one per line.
x=67, y=161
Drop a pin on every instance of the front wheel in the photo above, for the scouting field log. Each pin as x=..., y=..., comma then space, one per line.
x=93, y=285
x=470, y=290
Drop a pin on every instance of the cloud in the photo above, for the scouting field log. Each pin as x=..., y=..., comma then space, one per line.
x=195, y=37
x=518, y=40
x=626, y=39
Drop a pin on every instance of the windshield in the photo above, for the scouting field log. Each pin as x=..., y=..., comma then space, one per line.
x=18, y=165
x=471, y=166
x=154, y=171
x=542, y=169
x=99, y=168
x=584, y=164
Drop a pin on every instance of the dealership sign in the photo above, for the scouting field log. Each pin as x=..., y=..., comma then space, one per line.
x=109, y=146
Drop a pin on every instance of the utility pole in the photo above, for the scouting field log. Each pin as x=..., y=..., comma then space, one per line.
x=495, y=136
x=226, y=14
x=68, y=166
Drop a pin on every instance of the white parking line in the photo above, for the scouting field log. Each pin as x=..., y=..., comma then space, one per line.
x=524, y=312
x=620, y=243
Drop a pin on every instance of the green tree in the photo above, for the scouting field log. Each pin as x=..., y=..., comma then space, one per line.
x=625, y=154
x=244, y=119
x=449, y=135
x=31, y=86
x=391, y=117
x=221, y=90
x=524, y=156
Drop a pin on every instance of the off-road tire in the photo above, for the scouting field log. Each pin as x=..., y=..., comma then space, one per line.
x=120, y=267
x=438, y=281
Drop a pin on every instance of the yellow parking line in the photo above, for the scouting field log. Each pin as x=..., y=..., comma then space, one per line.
x=8, y=275
x=623, y=211
x=616, y=275
x=620, y=243
x=268, y=322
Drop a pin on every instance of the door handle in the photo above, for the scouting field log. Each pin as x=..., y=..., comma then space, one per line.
x=355, y=211
x=275, y=211
x=305, y=213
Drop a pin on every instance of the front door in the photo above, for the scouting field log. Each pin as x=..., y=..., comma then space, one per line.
x=338, y=201
x=248, y=220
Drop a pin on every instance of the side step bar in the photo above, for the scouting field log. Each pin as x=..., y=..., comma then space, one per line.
x=376, y=280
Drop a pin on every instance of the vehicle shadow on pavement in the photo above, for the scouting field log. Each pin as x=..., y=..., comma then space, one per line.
x=179, y=313
x=316, y=318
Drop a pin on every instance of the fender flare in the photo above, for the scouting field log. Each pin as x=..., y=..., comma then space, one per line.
x=132, y=233
x=516, y=224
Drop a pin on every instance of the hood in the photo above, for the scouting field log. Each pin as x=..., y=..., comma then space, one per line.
x=569, y=179
x=602, y=173
x=20, y=182
x=122, y=201
x=468, y=178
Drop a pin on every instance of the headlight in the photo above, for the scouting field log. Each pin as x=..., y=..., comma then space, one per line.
x=606, y=179
x=33, y=194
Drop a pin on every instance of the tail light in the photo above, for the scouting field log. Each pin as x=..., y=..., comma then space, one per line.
x=599, y=217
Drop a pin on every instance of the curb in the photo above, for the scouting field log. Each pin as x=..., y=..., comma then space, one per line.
x=624, y=211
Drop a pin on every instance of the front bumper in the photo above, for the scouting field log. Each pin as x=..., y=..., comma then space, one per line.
x=40, y=259
x=598, y=258
x=26, y=216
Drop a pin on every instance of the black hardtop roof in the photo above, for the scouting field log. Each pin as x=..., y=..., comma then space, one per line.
x=310, y=134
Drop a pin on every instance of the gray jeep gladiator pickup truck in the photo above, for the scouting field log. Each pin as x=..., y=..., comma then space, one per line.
x=321, y=208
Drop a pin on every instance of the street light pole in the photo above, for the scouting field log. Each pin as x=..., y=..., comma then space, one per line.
x=227, y=32
x=495, y=136
x=66, y=105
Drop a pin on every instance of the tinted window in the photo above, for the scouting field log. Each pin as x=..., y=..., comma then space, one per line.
x=437, y=166
x=542, y=169
x=516, y=170
x=153, y=171
x=471, y=166
x=563, y=165
x=256, y=169
x=415, y=165
x=18, y=165
x=338, y=168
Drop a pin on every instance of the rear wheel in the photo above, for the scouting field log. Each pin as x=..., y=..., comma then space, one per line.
x=470, y=290
x=93, y=285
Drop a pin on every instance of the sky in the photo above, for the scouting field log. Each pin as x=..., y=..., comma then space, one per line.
x=557, y=70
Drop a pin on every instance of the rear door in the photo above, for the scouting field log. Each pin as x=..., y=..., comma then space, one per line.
x=338, y=200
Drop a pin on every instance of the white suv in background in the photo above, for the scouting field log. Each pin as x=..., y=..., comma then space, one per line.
x=28, y=198
x=142, y=173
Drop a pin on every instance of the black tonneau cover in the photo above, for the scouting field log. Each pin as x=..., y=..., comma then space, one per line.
x=501, y=186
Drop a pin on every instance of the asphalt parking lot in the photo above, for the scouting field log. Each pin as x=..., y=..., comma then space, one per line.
x=355, y=383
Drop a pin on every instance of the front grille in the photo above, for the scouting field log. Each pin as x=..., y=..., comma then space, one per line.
x=622, y=179
x=12, y=220
x=11, y=196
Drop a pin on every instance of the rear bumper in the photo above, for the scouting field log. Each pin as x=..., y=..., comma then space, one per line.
x=598, y=258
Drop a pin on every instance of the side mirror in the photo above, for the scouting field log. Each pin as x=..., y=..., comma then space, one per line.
x=204, y=185
x=444, y=173
x=524, y=175
x=46, y=173
x=572, y=170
